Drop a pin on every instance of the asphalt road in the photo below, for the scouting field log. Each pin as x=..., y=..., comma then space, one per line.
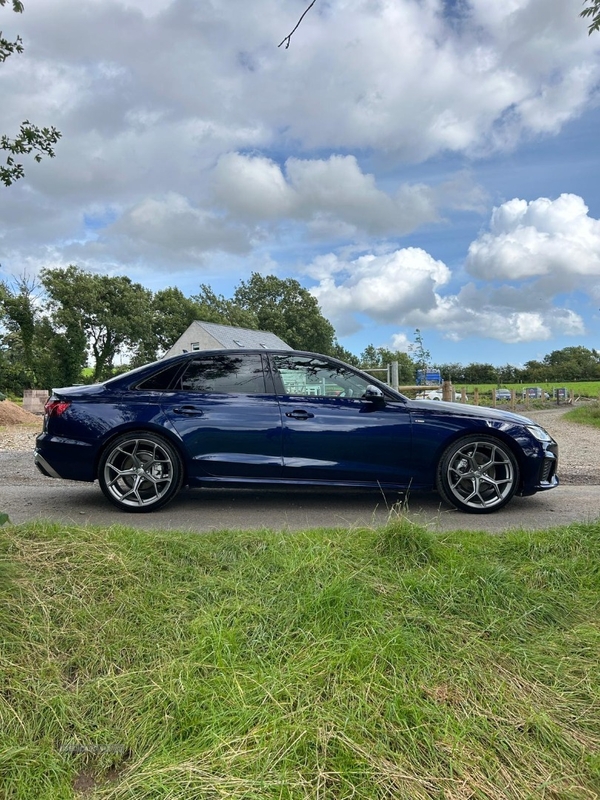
x=26, y=495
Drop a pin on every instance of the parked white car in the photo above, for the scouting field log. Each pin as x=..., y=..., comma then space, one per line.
x=436, y=394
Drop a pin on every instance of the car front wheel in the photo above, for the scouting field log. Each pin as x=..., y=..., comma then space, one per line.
x=478, y=474
x=140, y=472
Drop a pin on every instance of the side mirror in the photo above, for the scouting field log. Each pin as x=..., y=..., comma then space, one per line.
x=373, y=393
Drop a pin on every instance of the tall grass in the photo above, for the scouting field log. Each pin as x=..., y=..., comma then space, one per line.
x=324, y=664
x=586, y=415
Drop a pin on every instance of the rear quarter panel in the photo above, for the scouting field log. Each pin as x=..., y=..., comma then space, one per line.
x=73, y=442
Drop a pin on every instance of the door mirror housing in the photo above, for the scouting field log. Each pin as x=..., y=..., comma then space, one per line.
x=373, y=393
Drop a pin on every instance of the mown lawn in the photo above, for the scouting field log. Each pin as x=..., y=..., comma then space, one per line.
x=328, y=664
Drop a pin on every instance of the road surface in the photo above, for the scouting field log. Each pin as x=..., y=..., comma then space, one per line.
x=26, y=495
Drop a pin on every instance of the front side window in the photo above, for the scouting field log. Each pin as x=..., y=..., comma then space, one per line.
x=317, y=377
x=224, y=374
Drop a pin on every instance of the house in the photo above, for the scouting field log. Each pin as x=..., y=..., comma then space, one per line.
x=212, y=336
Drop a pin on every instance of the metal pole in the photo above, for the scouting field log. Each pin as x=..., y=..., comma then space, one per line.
x=395, y=375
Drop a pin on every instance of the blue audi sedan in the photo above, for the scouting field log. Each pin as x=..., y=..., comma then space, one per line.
x=284, y=418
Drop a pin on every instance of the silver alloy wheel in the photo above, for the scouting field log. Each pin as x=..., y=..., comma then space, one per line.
x=478, y=474
x=139, y=472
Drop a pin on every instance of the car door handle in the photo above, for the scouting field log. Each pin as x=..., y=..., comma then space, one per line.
x=188, y=411
x=299, y=414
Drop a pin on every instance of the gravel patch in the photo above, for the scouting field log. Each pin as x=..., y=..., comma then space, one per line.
x=578, y=446
x=19, y=437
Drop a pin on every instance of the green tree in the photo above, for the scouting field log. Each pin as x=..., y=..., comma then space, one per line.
x=572, y=364
x=379, y=357
x=172, y=314
x=420, y=355
x=113, y=313
x=285, y=308
x=30, y=138
x=480, y=373
x=592, y=12
x=452, y=372
x=345, y=355
x=216, y=308
x=20, y=312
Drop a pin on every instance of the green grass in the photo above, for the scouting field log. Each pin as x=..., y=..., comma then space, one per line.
x=590, y=389
x=586, y=415
x=328, y=664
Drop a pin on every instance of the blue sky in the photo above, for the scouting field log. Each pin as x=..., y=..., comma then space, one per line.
x=413, y=163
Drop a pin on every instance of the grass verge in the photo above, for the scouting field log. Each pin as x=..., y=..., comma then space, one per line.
x=586, y=415
x=327, y=664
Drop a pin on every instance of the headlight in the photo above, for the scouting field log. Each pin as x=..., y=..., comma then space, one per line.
x=540, y=434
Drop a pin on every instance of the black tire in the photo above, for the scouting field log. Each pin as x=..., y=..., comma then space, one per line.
x=478, y=474
x=140, y=472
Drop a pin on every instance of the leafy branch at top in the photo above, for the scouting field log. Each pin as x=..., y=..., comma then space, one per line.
x=31, y=138
x=592, y=10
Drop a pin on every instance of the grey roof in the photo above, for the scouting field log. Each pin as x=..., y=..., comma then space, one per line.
x=230, y=337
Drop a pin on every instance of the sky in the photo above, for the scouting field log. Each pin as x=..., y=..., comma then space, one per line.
x=415, y=164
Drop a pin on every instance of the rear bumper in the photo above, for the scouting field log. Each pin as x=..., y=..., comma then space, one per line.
x=57, y=457
x=43, y=466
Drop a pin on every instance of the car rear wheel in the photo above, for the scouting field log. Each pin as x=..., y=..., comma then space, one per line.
x=140, y=472
x=478, y=474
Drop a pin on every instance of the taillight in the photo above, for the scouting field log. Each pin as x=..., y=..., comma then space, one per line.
x=54, y=408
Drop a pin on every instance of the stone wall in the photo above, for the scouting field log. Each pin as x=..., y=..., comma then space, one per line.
x=34, y=399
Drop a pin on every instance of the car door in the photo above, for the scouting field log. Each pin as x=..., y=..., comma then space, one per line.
x=331, y=432
x=227, y=418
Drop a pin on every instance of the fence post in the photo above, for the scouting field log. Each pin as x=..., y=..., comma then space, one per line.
x=395, y=375
x=447, y=390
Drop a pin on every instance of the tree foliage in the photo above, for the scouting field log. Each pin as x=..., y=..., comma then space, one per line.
x=30, y=138
x=112, y=314
x=373, y=358
x=19, y=314
x=285, y=308
x=592, y=12
x=419, y=352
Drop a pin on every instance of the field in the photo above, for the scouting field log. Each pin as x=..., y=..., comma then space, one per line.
x=375, y=663
x=578, y=390
x=588, y=389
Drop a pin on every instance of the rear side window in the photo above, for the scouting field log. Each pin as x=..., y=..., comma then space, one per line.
x=224, y=374
x=160, y=381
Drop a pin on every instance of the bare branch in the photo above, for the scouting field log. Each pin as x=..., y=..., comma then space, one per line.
x=289, y=36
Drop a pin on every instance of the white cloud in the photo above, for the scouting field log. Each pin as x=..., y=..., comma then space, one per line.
x=555, y=238
x=189, y=138
x=333, y=196
x=252, y=188
x=534, y=252
x=176, y=229
x=387, y=288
